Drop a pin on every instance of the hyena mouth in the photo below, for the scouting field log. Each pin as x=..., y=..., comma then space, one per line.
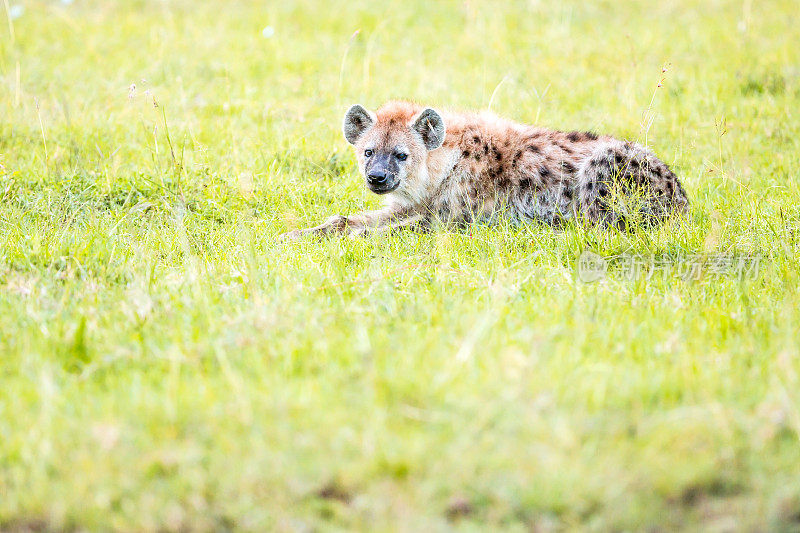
x=384, y=188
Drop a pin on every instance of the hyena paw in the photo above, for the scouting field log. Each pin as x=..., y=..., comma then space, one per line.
x=357, y=233
x=332, y=224
x=335, y=222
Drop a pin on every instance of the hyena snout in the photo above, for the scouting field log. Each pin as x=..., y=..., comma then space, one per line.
x=383, y=174
x=378, y=179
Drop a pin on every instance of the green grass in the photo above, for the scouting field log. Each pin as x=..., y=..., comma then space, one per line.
x=165, y=365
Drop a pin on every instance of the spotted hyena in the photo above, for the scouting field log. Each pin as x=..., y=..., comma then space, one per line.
x=463, y=167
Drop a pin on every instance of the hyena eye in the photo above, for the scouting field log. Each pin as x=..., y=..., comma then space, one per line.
x=368, y=153
x=401, y=157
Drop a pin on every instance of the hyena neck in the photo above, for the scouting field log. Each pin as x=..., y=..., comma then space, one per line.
x=440, y=166
x=429, y=184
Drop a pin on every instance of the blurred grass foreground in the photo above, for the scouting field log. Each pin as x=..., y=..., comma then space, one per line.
x=166, y=366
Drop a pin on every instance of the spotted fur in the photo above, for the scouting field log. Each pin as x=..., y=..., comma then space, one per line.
x=463, y=167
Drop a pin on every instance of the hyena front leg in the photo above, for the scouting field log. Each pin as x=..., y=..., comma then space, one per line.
x=354, y=224
x=415, y=222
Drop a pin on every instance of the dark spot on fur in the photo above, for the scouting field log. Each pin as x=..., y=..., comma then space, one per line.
x=565, y=148
x=590, y=135
x=568, y=194
x=476, y=139
x=496, y=153
x=589, y=186
x=503, y=180
x=477, y=156
x=568, y=167
x=534, y=148
x=485, y=149
x=465, y=154
x=574, y=136
x=544, y=172
x=526, y=183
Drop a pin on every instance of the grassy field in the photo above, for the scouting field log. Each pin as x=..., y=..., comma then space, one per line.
x=166, y=365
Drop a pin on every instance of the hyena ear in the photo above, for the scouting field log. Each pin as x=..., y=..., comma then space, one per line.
x=356, y=121
x=430, y=126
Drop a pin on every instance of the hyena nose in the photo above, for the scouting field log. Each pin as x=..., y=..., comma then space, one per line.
x=377, y=178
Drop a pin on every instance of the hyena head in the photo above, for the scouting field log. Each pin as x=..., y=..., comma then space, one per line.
x=392, y=146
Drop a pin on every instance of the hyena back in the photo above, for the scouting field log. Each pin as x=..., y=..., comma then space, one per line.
x=462, y=167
